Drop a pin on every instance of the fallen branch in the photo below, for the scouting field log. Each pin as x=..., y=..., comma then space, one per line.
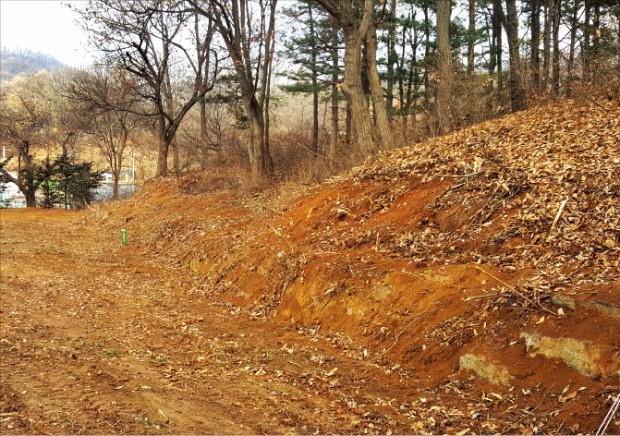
x=515, y=291
x=558, y=214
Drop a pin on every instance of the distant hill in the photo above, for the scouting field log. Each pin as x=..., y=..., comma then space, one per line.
x=16, y=62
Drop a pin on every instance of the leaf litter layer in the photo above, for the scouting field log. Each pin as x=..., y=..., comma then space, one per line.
x=541, y=188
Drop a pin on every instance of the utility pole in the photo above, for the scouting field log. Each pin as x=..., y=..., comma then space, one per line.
x=133, y=171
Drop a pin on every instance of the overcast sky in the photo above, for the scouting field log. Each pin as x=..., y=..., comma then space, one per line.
x=45, y=26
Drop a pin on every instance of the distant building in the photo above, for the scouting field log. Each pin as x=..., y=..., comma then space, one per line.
x=11, y=196
x=106, y=177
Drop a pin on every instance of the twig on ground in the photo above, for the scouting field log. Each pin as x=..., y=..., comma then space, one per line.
x=515, y=291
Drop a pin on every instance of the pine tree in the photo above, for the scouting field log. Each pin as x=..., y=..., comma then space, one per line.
x=75, y=181
x=46, y=173
x=309, y=47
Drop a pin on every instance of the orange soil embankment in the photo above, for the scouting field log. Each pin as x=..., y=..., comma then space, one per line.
x=487, y=258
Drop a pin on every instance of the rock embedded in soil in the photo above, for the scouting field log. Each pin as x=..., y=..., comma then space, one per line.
x=562, y=301
x=583, y=356
x=491, y=372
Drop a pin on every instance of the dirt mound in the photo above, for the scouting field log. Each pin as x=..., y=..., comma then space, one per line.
x=483, y=261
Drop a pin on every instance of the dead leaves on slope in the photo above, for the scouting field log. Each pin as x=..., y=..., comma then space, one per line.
x=540, y=190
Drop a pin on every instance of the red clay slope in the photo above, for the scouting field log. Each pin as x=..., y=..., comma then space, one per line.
x=486, y=260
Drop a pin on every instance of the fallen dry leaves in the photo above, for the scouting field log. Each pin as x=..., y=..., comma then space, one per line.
x=541, y=188
x=181, y=313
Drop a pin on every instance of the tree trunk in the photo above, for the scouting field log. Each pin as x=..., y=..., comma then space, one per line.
x=25, y=180
x=116, y=175
x=333, y=142
x=556, y=48
x=445, y=79
x=116, y=171
x=412, y=85
x=204, y=135
x=547, y=45
x=348, y=123
x=353, y=90
x=492, y=38
x=596, y=26
x=392, y=56
x=204, y=61
x=169, y=104
x=573, y=40
x=376, y=91
x=401, y=69
x=162, y=156
x=256, y=145
x=596, y=38
x=471, y=41
x=517, y=96
x=497, y=30
x=315, y=85
x=535, y=44
x=115, y=178
x=31, y=200
x=176, y=166
x=265, y=87
x=427, y=50
x=587, y=33
x=354, y=17
x=116, y=159
x=233, y=22
x=413, y=82
x=268, y=161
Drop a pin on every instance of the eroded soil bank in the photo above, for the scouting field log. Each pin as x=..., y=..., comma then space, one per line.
x=469, y=285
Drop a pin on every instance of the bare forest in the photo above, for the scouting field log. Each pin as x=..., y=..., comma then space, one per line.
x=190, y=86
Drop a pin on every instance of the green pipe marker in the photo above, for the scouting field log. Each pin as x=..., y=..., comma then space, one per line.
x=124, y=236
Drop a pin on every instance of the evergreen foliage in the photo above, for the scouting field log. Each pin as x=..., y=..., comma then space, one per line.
x=72, y=183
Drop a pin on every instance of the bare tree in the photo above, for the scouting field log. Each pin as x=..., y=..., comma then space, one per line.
x=355, y=18
x=471, y=36
x=535, y=43
x=335, y=104
x=109, y=103
x=202, y=69
x=32, y=121
x=510, y=21
x=249, y=35
x=146, y=38
x=382, y=121
x=555, y=26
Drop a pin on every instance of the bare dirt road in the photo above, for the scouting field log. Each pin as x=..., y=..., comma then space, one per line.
x=93, y=342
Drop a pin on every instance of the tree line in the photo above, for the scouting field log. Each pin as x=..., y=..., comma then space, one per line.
x=199, y=75
x=15, y=62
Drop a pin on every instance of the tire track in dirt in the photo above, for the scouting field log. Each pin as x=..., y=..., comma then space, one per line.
x=94, y=343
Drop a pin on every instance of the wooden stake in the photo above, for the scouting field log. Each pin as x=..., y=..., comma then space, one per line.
x=557, y=215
